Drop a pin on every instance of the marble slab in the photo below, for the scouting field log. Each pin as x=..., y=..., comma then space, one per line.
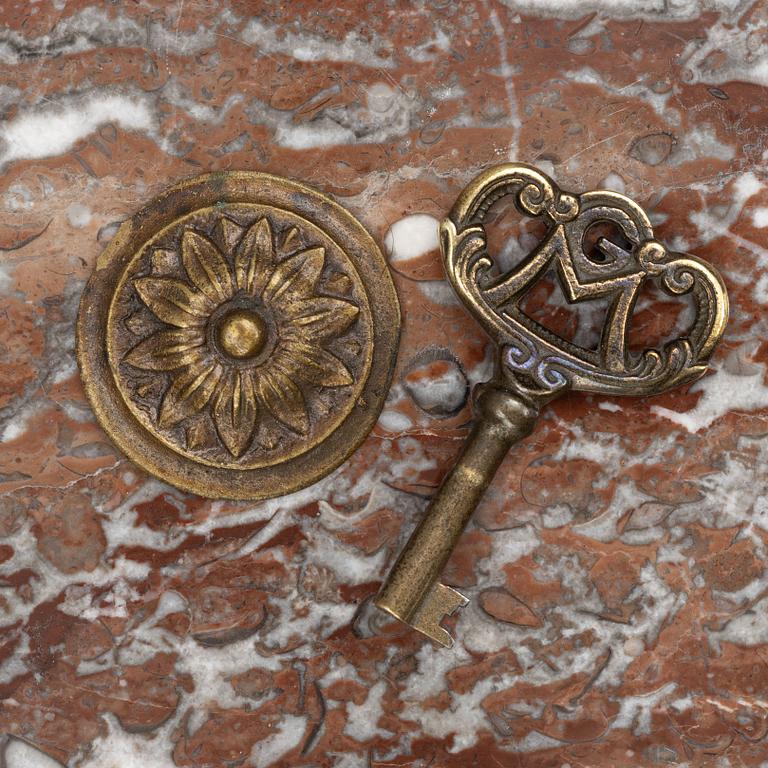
x=616, y=568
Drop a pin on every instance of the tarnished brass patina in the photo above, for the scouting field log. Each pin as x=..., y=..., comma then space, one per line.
x=238, y=335
x=534, y=364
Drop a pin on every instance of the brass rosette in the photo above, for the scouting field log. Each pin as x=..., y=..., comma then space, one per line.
x=238, y=336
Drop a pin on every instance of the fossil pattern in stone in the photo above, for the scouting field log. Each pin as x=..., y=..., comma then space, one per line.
x=617, y=566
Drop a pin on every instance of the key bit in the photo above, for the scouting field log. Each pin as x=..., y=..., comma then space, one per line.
x=535, y=365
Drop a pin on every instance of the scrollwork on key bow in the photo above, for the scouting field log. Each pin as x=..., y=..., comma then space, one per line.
x=536, y=359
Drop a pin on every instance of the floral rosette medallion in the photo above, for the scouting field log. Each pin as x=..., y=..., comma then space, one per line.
x=238, y=336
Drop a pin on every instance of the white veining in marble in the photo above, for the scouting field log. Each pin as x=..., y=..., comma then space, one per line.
x=411, y=237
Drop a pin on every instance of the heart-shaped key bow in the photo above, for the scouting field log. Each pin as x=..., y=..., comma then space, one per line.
x=532, y=354
x=536, y=364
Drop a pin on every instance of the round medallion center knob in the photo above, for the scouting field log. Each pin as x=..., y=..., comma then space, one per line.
x=242, y=334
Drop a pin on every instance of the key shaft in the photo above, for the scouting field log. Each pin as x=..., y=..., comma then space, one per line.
x=413, y=593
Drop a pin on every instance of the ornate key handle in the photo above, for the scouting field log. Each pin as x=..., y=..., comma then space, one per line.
x=532, y=356
x=535, y=364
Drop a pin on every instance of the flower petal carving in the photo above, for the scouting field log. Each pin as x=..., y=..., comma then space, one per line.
x=313, y=364
x=189, y=393
x=235, y=412
x=255, y=258
x=205, y=266
x=283, y=399
x=237, y=284
x=228, y=233
x=168, y=350
x=296, y=277
x=321, y=317
x=174, y=302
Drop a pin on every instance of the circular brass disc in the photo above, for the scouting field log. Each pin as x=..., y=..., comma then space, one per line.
x=237, y=337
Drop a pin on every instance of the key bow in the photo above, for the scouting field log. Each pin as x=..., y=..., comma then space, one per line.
x=533, y=357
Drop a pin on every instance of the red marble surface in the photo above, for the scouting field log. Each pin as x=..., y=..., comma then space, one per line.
x=616, y=568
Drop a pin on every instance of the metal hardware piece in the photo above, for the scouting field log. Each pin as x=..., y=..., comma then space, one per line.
x=534, y=364
x=238, y=335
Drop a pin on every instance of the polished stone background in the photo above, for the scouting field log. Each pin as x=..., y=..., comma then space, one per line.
x=616, y=568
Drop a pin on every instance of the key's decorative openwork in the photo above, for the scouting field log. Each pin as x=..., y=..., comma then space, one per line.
x=534, y=364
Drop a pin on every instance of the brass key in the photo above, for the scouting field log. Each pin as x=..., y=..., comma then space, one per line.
x=534, y=364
